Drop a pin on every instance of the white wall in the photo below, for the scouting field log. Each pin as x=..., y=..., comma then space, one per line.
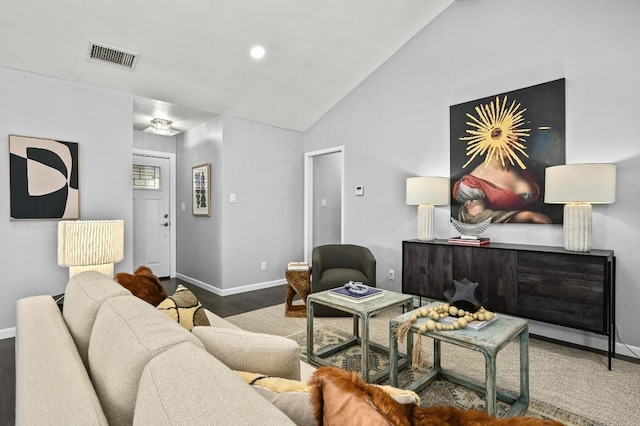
x=396, y=123
x=99, y=120
x=262, y=165
x=151, y=142
x=199, y=238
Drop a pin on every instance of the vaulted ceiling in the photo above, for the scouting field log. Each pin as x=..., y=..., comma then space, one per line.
x=193, y=58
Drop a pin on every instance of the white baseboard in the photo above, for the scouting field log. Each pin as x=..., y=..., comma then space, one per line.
x=201, y=284
x=7, y=333
x=234, y=290
x=582, y=338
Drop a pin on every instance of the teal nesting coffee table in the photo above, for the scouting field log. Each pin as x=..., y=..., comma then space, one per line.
x=488, y=340
x=361, y=311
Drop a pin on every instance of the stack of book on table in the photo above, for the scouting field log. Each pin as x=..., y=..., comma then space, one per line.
x=469, y=241
x=345, y=294
x=473, y=325
x=298, y=266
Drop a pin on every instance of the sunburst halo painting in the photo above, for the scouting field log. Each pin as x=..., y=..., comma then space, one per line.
x=497, y=132
x=500, y=146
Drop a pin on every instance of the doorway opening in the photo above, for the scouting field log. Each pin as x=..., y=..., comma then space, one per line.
x=323, y=198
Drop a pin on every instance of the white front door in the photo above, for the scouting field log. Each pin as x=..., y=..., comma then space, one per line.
x=151, y=215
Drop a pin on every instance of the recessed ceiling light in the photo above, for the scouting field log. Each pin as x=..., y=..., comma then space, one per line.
x=257, y=52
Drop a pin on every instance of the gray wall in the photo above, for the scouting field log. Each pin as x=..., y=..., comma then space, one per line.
x=396, y=123
x=262, y=165
x=100, y=121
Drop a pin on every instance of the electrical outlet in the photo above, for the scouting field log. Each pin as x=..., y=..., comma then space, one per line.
x=263, y=266
x=392, y=274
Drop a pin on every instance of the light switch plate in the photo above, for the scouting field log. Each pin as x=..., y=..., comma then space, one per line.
x=359, y=190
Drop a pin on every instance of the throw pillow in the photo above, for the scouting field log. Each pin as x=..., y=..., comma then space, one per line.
x=184, y=308
x=143, y=284
x=292, y=397
x=341, y=397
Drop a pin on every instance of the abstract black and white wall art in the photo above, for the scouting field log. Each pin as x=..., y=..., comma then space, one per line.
x=43, y=178
x=201, y=190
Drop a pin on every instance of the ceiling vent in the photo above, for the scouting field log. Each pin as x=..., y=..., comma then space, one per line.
x=112, y=56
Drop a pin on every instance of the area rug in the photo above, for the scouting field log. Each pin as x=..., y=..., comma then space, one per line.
x=562, y=379
x=440, y=392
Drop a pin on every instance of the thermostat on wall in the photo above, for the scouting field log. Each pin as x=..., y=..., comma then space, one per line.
x=359, y=190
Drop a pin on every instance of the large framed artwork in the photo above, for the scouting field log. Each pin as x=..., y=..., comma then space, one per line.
x=201, y=182
x=500, y=147
x=43, y=180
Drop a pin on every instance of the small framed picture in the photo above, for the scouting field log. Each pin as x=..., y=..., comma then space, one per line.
x=201, y=192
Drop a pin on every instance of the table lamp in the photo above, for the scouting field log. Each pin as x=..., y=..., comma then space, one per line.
x=427, y=192
x=90, y=245
x=578, y=186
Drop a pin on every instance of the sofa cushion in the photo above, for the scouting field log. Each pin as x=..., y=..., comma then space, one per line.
x=185, y=308
x=246, y=351
x=83, y=296
x=127, y=334
x=187, y=386
x=52, y=384
x=217, y=321
x=336, y=276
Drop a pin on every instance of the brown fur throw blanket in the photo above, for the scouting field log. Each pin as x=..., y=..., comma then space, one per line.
x=143, y=284
x=342, y=398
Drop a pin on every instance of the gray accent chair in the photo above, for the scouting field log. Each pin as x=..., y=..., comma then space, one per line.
x=334, y=265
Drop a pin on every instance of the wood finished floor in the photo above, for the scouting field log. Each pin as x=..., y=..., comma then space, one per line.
x=222, y=306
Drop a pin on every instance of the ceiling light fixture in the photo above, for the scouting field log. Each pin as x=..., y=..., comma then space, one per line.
x=257, y=52
x=160, y=126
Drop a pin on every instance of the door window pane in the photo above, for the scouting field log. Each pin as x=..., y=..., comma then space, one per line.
x=146, y=177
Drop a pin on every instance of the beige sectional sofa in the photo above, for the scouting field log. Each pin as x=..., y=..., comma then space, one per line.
x=112, y=358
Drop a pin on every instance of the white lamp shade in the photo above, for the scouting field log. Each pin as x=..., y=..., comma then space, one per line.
x=90, y=245
x=580, y=183
x=427, y=190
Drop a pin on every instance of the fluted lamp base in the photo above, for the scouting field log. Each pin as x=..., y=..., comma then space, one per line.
x=577, y=227
x=426, y=214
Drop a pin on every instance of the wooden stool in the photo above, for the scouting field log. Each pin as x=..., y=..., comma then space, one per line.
x=299, y=282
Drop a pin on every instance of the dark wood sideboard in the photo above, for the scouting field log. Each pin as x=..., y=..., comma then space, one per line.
x=547, y=284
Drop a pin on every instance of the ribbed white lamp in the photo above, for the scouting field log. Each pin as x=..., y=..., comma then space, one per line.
x=427, y=192
x=90, y=245
x=578, y=186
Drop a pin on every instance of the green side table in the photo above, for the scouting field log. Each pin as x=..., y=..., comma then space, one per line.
x=362, y=312
x=488, y=340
